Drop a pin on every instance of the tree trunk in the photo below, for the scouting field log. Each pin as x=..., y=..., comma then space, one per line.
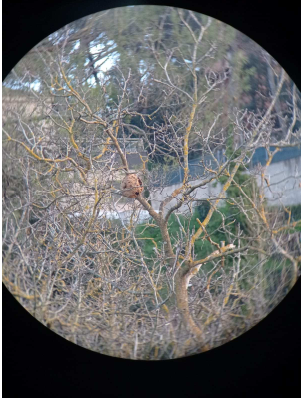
x=183, y=308
x=181, y=292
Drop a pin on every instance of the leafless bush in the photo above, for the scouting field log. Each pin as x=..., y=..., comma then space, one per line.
x=87, y=276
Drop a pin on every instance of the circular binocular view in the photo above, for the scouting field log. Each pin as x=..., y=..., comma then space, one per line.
x=151, y=183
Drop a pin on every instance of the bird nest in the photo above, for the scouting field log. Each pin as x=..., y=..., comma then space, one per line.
x=131, y=186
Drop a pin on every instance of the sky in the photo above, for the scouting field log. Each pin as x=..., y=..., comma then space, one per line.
x=103, y=67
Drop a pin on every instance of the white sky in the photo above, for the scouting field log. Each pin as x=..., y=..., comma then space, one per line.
x=109, y=62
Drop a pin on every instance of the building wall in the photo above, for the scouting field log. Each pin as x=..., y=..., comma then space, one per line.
x=208, y=191
x=284, y=178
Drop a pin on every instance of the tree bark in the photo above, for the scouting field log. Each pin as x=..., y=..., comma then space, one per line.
x=183, y=308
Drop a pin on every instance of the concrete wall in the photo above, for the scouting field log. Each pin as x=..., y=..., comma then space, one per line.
x=284, y=178
x=205, y=192
x=285, y=182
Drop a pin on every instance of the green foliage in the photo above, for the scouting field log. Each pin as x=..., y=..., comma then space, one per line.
x=202, y=208
x=202, y=248
x=295, y=213
x=133, y=29
x=243, y=72
x=245, y=181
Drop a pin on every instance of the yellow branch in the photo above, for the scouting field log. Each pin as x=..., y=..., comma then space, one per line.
x=292, y=225
x=186, y=143
x=153, y=241
x=220, y=196
x=103, y=150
